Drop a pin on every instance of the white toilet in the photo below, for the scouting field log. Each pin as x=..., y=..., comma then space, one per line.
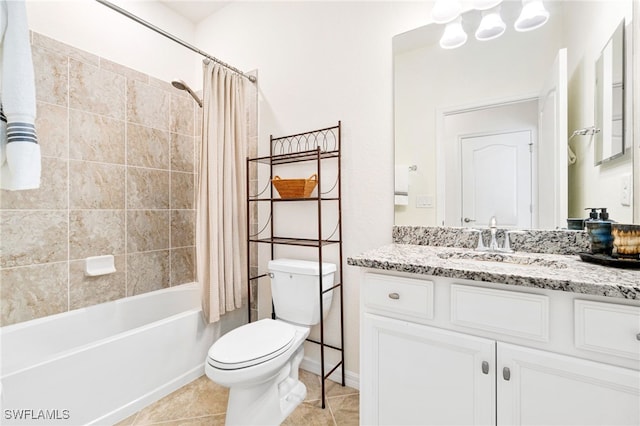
x=259, y=361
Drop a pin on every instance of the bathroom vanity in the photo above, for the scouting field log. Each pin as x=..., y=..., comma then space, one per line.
x=450, y=335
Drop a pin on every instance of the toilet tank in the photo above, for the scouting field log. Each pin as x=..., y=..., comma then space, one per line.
x=295, y=289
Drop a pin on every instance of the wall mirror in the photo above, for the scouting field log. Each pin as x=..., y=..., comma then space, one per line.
x=609, y=102
x=448, y=102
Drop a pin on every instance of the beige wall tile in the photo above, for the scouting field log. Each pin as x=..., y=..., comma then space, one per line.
x=182, y=115
x=30, y=237
x=127, y=72
x=95, y=137
x=52, y=194
x=167, y=86
x=96, y=233
x=87, y=291
x=147, y=188
x=197, y=131
x=51, y=76
x=182, y=190
x=183, y=265
x=147, y=272
x=147, y=147
x=148, y=105
x=53, y=130
x=96, y=185
x=32, y=292
x=64, y=49
x=183, y=228
x=96, y=90
x=147, y=230
x=182, y=153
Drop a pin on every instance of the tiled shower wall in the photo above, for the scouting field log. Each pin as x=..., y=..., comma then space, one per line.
x=117, y=178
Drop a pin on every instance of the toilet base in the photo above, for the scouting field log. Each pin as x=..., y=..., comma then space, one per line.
x=268, y=403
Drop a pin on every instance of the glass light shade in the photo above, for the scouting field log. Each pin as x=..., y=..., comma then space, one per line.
x=485, y=4
x=533, y=16
x=492, y=26
x=445, y=11
x=454, y=35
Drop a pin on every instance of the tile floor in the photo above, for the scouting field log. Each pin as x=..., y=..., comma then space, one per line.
x=203, y=403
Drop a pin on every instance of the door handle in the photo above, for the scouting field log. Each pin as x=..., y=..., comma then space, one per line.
x=506, y=373
x=485, y=367
x=467, y=220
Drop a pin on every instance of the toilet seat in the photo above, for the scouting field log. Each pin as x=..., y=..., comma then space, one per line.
x=251, y=344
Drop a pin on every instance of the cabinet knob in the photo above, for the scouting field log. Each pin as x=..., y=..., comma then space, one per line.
x=485, y=367
x=638, y=336
x=506, y=373
x=394, y=296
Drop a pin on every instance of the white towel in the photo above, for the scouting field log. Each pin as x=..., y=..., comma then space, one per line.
x=401, y=179
x=19, y=149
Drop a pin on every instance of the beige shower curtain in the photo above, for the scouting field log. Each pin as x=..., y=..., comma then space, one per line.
x=221, y=236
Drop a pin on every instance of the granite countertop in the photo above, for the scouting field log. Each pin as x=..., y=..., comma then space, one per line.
x=547, y=271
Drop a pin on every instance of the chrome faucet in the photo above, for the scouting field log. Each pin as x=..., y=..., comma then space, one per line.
x=493, y=226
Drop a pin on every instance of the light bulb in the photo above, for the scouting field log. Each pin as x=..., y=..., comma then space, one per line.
x=445, y=11
x=492, y=26
x=533, y=16
x=485, y=4
x=454, y=35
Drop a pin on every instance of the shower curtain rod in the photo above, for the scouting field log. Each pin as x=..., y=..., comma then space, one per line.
x=173, y=38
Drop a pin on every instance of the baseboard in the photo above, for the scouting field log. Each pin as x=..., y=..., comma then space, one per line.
x=351, y=379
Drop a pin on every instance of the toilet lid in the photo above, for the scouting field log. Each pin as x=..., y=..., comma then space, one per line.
x=251, y=344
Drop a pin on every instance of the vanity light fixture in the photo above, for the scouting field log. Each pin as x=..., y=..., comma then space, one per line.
x=492, y=26
x=454, y=35
x=445, y=11
x=533, y=16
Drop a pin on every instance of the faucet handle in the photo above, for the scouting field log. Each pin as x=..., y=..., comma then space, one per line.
x=480, y=246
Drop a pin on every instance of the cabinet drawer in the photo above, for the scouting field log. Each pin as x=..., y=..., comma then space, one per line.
x=507, y=312
x=608, y=328
x=404, y=296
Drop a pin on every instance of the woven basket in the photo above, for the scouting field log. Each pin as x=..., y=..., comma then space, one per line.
x=295, y=188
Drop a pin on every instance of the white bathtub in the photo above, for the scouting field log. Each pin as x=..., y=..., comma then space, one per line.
x=100, y=364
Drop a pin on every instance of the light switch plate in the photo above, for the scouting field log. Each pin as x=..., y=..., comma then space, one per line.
x=424, y=201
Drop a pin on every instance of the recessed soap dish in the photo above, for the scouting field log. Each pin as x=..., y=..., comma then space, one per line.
x=99, y=265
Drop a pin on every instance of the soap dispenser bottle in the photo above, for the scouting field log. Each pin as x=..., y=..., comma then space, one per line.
x=599, y=230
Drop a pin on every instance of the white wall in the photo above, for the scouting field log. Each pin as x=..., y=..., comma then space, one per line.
x=320, y=62
x=90, y=26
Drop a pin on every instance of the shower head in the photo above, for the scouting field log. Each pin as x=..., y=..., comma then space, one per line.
x=181, y=85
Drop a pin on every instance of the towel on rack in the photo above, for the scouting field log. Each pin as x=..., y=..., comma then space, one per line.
x=401, y=185
x=20, y=162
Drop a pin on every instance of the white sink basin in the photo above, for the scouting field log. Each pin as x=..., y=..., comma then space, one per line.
x=516, y=259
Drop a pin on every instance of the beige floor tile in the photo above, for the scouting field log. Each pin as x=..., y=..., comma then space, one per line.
x=312, y=382
x=336, y=389
x=310, y=414
x=217, y=420
x=199, y=398
x=346, y=410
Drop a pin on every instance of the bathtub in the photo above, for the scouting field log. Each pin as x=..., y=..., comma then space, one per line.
x=99, y=365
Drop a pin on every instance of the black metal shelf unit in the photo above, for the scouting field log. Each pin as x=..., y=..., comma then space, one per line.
x=316, y=147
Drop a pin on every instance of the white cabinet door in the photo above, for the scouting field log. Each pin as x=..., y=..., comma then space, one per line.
x=542, y=388
x=413, y=374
